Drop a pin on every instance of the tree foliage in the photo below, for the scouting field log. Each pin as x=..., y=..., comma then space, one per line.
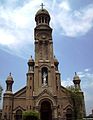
x=71, y=88
x=77, y=98
x=1, y=89
x=30, y=115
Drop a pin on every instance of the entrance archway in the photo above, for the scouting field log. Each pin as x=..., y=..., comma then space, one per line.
x=46, y=111
x=18, y=115
x=69, y=114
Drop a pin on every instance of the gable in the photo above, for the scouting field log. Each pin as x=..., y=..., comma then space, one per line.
x=45, y=92
x=21, y=93
x=69, y=106
x=19, y=108
x=65, y=91
x=45, y=95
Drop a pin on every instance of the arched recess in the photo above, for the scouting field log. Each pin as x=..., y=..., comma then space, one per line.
x=69, y=114
x=45, y=98
x=18, y=115
x=45, y=110
x=51, y=101
x=44, y=76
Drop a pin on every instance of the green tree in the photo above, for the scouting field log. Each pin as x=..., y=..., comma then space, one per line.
x=30, y=115
x=1, y=89
x=77, y=101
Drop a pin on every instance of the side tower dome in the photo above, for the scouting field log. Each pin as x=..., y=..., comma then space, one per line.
x=9, y=83
x=31, y=64
x=76, y=81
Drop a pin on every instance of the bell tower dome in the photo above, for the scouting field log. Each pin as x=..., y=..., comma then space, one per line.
x=42, y=17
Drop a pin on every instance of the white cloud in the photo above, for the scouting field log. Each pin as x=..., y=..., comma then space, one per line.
x=65, y=5
x=67, y=82
x=86, y=79
x=16, y=27
x=87, y=85
x=3, y=38
x=71, y=22
x=87, y=70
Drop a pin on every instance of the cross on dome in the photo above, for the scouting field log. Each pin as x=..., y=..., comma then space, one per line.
x=10, y=74
x=75, y=73
x=42, y=5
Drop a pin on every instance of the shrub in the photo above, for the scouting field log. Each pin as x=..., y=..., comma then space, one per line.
x=30, y=115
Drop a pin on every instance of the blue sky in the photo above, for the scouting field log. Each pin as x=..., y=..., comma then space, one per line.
x=72, y=23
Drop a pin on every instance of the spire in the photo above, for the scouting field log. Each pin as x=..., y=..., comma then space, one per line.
x=76, y=81
x=56, y=63
x=31, y=61
x=9, y=83
x=75, y=73
x=31, y=64
x=76, y=77
x=9, y=78
x=42, y=16
x=31, y=56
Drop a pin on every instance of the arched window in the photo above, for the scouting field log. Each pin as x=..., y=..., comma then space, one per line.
x=39, y=19
x=19, y=115
x=44, y=76
x=45, y=19
x=42, y=19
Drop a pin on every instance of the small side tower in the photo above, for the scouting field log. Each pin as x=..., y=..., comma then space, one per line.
x=30, y=87
x=79, y=103
x=9, y=83
x=58, y=82
x=8, y=99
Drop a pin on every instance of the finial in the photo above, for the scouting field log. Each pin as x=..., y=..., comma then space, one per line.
x=75, y=73
x=42, y=5
x=31, y=56
x=10, y=74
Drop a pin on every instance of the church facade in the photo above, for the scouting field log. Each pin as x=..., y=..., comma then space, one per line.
x=43, y=91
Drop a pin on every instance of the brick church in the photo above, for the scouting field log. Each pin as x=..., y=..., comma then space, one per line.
x=43, y=91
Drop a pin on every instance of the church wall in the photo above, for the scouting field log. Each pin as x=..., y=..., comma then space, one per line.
x=19, y=102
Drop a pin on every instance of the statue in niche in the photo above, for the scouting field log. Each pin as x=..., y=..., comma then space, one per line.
x=44, y=78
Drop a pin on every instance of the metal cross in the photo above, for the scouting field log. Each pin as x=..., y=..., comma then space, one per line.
x=75, y=73
x=42, y=5
x=10, y=73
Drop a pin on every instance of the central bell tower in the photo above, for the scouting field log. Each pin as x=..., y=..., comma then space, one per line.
x=43, y=36
x=46, y=73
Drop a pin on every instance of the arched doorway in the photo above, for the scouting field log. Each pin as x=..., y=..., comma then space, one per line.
x=45, y=111
x=69, y=114
x=18, y=115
